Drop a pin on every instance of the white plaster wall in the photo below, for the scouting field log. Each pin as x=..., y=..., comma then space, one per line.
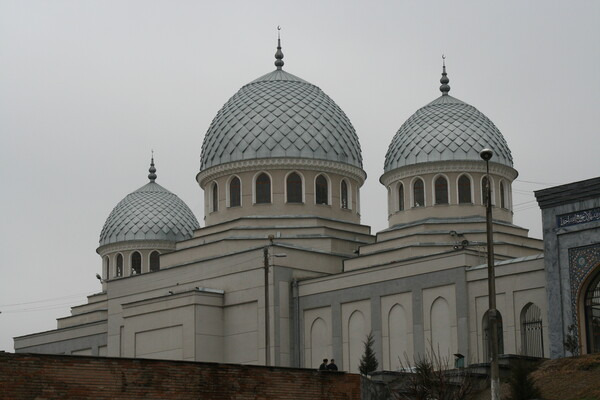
x=356, y=325
x=439, y=318
x=283, y=310
x=397, y=330
x=82, y=352
x=162, y=343
x=317, y=336
x=241, y=333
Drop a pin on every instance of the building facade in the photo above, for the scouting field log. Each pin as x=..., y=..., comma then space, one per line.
x=283, y=273
x=571, y=222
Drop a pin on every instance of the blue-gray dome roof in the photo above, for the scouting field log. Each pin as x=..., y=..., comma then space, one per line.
x=280, y=115
x=149, y=213
x=446, y=129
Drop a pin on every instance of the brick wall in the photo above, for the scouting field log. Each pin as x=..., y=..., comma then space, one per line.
x=40, y=376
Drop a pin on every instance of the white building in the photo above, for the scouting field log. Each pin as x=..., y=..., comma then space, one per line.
x=281, y=173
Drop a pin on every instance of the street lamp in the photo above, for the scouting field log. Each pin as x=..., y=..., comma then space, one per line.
x=267, y=323
x=486, y=155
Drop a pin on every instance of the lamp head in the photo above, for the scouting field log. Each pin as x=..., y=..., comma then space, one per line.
x=486, y=154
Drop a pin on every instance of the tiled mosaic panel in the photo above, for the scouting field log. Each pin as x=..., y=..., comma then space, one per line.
x=581, y=261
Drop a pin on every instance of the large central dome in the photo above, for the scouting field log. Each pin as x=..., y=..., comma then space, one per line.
x=280, y=115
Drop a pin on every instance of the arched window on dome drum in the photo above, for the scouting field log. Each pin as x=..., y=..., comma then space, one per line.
x=344, y=195
x=418, y=193
x=235, y=198
x=592, y=315
x=400, y=197
x=215, y=197
x=502, y=199
x=263, y=189
x=119, y=270
x=136, y=263
x=106, y=271
x=487, y=344
x=294, y=188
x=532, y=343
x=154, y=261
x=321, y=190
x=464, y=190
x=441, y=190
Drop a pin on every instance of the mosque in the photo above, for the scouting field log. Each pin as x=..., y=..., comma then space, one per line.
x=283, y=273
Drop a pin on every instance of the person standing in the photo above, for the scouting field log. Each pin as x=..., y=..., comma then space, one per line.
x=332, y=366
x=323, y=366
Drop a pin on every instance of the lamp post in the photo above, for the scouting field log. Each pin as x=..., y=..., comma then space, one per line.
x=486, y=155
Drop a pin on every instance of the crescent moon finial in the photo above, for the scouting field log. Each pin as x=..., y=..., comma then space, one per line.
x=279, y=53
x=445, y=88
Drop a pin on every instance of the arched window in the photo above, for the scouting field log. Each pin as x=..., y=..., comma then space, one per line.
x=441, y=190
x=154, y=261
x=344, y=194
x=215, y=197
x=502, y=199
x=106, y=271
x=532, y=343
x=136, y=263
x=235, y=197
x=321, y=190
x=487, y=344
x=592, y=316
x=263, y=189
x=418, y=193
x=400, y=197
x=119, y=270
x=464, y=190
x=294, y=188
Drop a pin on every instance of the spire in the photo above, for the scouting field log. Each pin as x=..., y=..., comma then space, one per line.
x=152, y=170
x=445, y=88
x=278, y=53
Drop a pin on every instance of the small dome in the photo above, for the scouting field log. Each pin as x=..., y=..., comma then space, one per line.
x=446, y=129
x=149, y=213
x=280, y=115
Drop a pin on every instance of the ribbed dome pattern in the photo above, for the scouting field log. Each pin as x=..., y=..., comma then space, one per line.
x=149, y=213
x=446, y=129
x=280, y=115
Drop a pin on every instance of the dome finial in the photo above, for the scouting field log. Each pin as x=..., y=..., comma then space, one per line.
x=278, y=53
x=445, y=88
x=152, y=170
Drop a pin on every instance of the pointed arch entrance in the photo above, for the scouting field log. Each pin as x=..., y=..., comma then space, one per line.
x=591, y=313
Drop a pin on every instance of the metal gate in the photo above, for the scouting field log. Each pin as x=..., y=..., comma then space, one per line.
x=532, y=331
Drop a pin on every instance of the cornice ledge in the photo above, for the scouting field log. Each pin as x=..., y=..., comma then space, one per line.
x=278, y=163
x=446, y=166
x=135, y=245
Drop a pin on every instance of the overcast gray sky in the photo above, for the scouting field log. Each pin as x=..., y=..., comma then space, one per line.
x=88, y=88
